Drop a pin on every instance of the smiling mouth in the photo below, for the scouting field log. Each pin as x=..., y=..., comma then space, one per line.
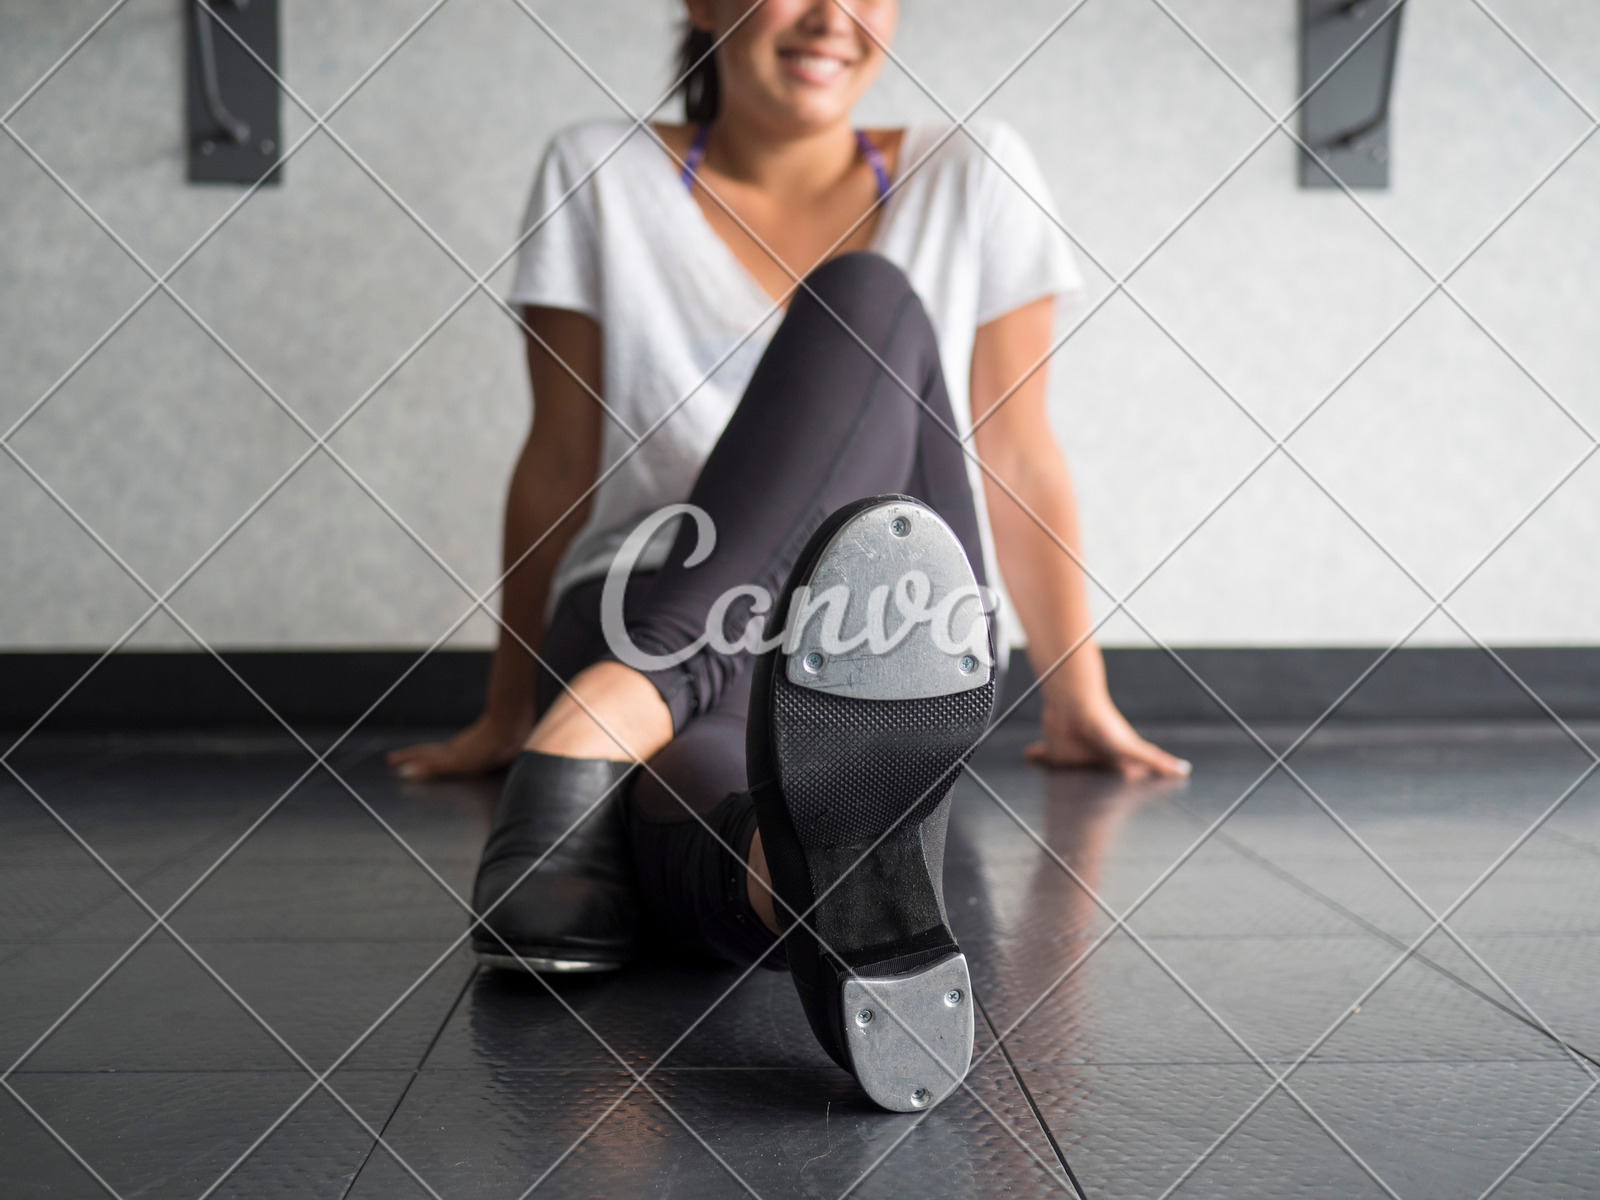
x=821, y=68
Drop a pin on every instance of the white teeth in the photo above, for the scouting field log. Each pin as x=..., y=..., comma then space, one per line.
x=817, y=64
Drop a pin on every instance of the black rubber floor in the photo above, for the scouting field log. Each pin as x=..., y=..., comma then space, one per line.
x=1376, y=976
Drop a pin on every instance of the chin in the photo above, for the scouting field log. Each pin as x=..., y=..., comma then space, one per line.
x=811, y=107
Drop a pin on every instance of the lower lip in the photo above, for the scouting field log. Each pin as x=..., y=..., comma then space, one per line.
x=810, y=75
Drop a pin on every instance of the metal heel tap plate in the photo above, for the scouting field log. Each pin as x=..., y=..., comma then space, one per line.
x=910, y=1036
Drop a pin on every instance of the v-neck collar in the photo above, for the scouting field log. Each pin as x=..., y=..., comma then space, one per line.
x=696, y=219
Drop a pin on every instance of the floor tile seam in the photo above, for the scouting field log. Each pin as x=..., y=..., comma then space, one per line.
x=1027, y=1095
x=1538, y=935
x=579, y=1069
x=1453, y=1060
x=115, y=893
x=285, y=940
x=1578, y=842
x=1582, y=931
x=321, y=858
x=1419, y=858
x=1256, y=858
x=394, y=1109
x=77, y=769
x=289, y=1072
x=1150, y=935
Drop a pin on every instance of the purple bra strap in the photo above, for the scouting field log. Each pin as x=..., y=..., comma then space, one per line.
x=696, y=154
x=874, y=157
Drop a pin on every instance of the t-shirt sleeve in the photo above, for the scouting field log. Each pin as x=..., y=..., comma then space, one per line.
x=1025, y=255
x=558, y=265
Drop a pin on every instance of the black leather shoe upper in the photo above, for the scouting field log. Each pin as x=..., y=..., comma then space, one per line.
x=579, y=902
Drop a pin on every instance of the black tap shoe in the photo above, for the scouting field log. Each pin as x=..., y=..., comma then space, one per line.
x=852, y=751
x=575, y=911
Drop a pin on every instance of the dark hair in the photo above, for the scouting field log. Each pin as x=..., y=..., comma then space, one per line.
x=697, y=67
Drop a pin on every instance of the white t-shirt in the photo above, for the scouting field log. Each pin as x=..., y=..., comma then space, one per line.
x=683, y=323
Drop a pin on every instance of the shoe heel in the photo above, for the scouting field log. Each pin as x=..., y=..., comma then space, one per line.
x=853, y=751
x=909, y=1036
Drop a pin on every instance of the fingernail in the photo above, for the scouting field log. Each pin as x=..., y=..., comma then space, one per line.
x=1185, y=767
x=407, y=770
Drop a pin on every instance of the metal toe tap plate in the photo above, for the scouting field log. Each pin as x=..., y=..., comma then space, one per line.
x=896, y=570
x=909, y=1036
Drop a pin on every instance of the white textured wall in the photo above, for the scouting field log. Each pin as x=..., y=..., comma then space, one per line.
x=1438, y=444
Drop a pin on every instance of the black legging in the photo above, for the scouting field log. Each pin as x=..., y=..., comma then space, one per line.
x=820, y=424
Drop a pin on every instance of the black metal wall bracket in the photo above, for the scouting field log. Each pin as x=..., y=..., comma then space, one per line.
x=230, y=98
x=1346, y=120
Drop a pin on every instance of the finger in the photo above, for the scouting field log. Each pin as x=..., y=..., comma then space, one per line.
x=407, y=753
x=1041, y=753
x=416, y=762
x=413, y=768
x=1144, y=754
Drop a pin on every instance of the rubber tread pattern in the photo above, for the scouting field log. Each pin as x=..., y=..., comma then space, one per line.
x=851, y=768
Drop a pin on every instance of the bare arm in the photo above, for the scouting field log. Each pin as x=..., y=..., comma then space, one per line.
x=1033, y=514
x=546, y=504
